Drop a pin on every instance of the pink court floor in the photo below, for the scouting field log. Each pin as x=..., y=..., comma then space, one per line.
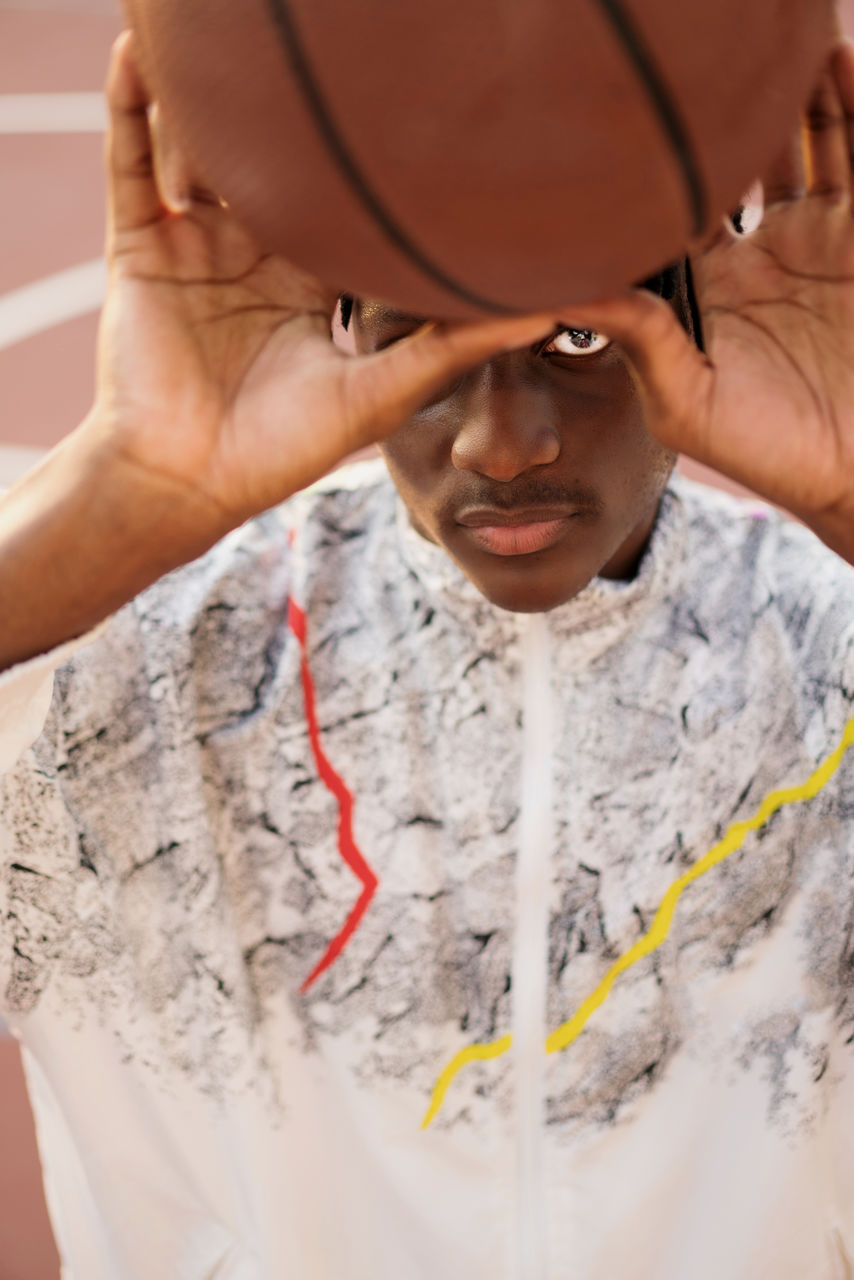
x=52, y=59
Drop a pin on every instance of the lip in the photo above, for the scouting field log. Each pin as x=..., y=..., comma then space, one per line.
x=516, y=533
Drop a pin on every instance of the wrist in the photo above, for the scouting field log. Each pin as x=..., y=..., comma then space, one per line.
x=82, y=534
x=156, y=520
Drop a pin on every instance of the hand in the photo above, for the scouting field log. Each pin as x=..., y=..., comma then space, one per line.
x=772, y=402
x=218, y=379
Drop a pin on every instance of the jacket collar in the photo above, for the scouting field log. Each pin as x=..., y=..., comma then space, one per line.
x=596, y=618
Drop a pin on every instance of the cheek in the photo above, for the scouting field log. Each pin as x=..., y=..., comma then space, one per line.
x=415, y=472
x=607, y=440
x=638, y=478
x=416, y=454
x=615, y=429
x=638, y=467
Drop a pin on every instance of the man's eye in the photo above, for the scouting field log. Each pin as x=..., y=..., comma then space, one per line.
x=577, y=342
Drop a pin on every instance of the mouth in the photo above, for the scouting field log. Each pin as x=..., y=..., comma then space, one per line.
x=516, y=533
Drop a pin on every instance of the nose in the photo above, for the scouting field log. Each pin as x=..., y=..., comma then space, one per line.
x=507, y=424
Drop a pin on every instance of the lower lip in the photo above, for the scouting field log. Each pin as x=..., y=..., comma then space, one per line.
x=518, y=539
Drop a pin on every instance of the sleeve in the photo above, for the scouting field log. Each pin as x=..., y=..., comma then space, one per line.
x=96, y=777
x=26, y=691
x=32, y=901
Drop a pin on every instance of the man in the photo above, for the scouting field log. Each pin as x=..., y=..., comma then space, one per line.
x=321, y=836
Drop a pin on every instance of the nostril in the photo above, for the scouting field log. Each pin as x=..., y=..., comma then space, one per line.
x=550, y=446
x=503, y=453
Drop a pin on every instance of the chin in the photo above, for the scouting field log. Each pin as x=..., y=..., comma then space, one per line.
x=529, y=592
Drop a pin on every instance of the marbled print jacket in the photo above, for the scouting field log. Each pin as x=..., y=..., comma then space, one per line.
x=356, y=929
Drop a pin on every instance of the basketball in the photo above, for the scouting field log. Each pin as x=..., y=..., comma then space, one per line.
x=459, y=157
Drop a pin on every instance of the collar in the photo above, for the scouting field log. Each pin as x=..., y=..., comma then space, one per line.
x=595, y=619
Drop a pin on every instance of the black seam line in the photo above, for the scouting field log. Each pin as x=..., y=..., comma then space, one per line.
x=665, y=106
x=344, y=159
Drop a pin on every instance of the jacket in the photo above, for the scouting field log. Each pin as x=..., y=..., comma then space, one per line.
x=352, y=927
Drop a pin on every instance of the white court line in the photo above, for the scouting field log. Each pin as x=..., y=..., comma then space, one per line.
x=15, y=461
x=35, y=307
x=52, y=113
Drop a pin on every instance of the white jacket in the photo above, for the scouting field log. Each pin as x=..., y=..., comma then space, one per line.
x=317, y=844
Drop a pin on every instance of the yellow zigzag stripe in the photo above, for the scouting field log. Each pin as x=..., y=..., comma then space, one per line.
x=474, y=1053
x=660, y=927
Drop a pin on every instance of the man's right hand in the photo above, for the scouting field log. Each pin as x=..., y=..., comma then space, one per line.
x=217, y=373
x=219, y=394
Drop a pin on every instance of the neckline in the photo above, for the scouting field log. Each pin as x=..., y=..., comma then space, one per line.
x=602, y=601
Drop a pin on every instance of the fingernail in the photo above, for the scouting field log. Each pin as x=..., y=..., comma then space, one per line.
x=178, y=202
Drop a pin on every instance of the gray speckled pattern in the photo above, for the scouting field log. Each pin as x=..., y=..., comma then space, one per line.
x=170, y=864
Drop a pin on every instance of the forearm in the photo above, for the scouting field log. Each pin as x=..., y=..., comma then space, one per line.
x=80, y=536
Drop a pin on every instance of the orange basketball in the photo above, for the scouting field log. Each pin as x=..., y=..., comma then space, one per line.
x=457, y=157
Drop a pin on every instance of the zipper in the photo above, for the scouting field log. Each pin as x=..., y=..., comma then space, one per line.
x=530, y=950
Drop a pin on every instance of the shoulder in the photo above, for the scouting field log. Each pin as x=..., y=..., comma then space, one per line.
x=748, y=544
x=767, y=589
x=354, y=501
x=226, y=612
x=252, y=568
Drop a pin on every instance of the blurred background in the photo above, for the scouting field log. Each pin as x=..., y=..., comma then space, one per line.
x=52, y=59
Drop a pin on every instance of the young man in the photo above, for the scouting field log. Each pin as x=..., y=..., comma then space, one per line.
x=320, y=839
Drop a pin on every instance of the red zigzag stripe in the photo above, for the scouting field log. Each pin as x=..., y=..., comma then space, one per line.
x=347, y=846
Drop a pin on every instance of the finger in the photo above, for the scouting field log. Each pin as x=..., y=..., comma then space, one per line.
x=825, y=142
x=179, y=186
x=843, y=71
x=719, y=233
x=783, y=180
x=673, y=378
x=391, y=385
x=170, y=170
x=133, y=198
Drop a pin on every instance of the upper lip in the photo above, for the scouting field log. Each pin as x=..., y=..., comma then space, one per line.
x=484, y=517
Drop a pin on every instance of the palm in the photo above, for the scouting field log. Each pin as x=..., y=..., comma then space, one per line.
x=217, y=373
x=771, y=404
x=778, y=307
x=222, y=358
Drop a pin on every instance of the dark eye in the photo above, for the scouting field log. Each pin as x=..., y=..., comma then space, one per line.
x=577, y=342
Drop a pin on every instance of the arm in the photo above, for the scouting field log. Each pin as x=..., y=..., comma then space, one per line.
x=80, y=535
x=219, y=394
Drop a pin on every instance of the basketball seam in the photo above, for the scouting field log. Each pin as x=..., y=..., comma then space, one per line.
x=346, y=162
x=665, y=107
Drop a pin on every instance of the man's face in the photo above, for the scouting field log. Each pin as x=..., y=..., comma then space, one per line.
x=535, y=472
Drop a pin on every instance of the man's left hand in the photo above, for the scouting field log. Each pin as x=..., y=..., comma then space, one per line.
x=771, y=403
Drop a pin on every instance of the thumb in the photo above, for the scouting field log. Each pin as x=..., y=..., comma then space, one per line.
x=674, y=379
x=388, y=387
